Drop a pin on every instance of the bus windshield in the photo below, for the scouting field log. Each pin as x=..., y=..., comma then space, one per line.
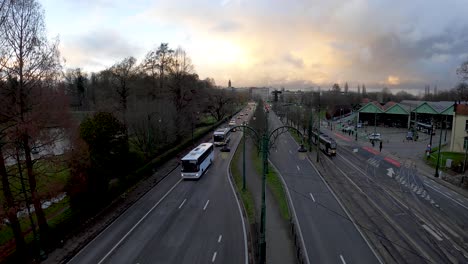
x=189, y=166
x=218, y=138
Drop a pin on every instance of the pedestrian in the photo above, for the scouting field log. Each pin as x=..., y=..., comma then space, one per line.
x=372, y=141
x=380, y=146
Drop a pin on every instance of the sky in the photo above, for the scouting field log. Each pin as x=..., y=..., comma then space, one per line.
x=296, y=44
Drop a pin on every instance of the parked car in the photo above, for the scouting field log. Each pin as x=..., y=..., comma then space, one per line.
x=374, y=136
x=359, y=125
x=410, y=135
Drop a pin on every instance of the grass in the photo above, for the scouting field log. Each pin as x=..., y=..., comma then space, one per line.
x=275, y=185
x=55, y=215
x=457, y=158
x=246, y=196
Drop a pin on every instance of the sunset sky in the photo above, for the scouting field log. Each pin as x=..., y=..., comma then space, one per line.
x=290, y=43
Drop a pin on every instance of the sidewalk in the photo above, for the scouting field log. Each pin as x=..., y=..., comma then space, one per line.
x=280, y=246
x=403, y=151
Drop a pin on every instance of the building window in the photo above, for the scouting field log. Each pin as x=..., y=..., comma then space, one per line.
x=466, y=125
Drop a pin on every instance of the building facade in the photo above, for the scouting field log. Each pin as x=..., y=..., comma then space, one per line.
x=458, y=142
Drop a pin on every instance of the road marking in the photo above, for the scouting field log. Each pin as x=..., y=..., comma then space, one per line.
x=139, y=221
x=447, y=196
x=290, y=152
x=182, y=204
x=432, y=232
x=447, y=193
x=244, y=232
x=204, y=207
x=311, y=196
x=214, y=257
x=437, y=187
x=342, y=259
x=219, y=238
x=297, y=166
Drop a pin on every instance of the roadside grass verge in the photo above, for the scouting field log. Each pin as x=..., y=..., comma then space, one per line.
x=246, y=196
x=275, y=185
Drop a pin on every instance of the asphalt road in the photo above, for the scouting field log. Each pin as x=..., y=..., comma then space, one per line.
x=178, y=221
x=429, y=219
x=329, y=235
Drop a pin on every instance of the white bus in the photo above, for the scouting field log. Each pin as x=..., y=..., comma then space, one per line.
x=221, y=136
x=196, y=162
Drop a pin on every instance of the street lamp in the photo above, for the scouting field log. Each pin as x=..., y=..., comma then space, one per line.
x=438, y=154
x=264, y=146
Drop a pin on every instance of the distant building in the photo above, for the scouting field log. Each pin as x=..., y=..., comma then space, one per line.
x=459, y=137
x=260, y=92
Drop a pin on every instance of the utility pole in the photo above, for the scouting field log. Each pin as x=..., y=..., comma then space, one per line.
x=438, y=156
x=243, y=158
x=318, y=131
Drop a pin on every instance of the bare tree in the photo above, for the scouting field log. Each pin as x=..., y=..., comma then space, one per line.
x=219, y=104
x=123, y=72
x=462, y=71
x=31, y=63
x=156, y=64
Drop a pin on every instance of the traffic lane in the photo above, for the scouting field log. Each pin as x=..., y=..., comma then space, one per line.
x=414, y=232
x=181, y=231
x=323, y=222
x=450, y=203
x=430, y=224
x=405, y=180
x=117, y=229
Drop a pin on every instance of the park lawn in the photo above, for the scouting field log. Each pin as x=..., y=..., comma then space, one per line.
x=274, y=183
x=246, y=195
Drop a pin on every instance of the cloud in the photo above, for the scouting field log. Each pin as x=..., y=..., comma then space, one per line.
x=393, y=80
x=291, y=42
x=98, y=49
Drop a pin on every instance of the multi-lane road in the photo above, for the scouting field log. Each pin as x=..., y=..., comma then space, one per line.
x=419, y=221
x=359, y=207
x=178, y=221
x=329, y=235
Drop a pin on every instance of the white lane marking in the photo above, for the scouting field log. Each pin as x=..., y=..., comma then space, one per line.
x=447, y=193
x=294, y=213
x=214, y=257
x=139, y=221
x=342, y=259
x=297, y=166
x=432, y=232
x=437, y=187
x=460, y=200
x=219, y=238
x=228, y=173
x=311, y=196
x=204, y=207
x=447, y=196
x=182, y=204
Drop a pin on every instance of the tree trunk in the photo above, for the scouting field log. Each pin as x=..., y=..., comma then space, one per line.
x=41, y=219
x=11, y=209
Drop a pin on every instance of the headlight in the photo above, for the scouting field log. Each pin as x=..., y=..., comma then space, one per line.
x=196, y=175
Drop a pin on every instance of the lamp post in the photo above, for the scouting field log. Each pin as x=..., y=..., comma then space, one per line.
x=264, y=145
x=318, y=125
x=465, y=145
x=438, y=156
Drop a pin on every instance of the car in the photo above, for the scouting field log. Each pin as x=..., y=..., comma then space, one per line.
x=359, y=125
x=238, y=117
x=374, y=136
x=409, y=135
